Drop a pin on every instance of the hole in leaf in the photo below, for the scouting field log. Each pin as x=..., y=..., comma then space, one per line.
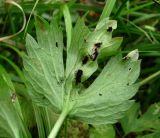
x=56, y=44
x=100, y=94
x=129, y=69
x=60, y=81
x=90, y=126
x=109, y=29
x=98, y=45
x=138, y=116
x=127, y=84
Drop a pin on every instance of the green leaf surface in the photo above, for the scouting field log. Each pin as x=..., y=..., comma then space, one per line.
x=149, y=120
x=102, y=131
x=84, y=44
x=44, y=66
x=79, y=33
x=25, y=104
x=106, y=99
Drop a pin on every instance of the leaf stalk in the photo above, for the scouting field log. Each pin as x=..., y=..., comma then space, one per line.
x=58, y=124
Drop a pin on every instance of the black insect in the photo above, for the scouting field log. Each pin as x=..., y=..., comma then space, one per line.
x=109, y=29
x=95, y=50
x=85, y=60
x=78, y=76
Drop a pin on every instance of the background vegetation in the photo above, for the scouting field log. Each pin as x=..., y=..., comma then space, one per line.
x=138, y=24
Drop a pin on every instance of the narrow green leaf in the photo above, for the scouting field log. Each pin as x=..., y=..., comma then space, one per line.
x=107, y=9
x=136, y=8
x=39, y=121
x=11, y=125
x=8, y=81
x=15, y=67
x=68, y=24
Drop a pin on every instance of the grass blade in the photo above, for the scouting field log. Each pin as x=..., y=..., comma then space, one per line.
x=107, y=9
x=68, y=23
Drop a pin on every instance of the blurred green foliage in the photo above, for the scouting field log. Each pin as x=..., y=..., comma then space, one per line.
x=138, y=23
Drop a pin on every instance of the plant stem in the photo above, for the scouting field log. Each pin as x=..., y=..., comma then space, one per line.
x=146, y=80
x=58, y=124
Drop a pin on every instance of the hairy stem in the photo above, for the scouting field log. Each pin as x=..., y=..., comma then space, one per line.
x=146, y=80
x=58, y=124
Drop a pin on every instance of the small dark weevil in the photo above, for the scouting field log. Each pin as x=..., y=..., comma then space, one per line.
x=78, y=76
x=85, y=60
x=95, y=50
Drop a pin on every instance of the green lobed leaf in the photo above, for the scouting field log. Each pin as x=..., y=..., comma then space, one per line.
x=44, y=67
x=149, y=120
x=106, y=99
